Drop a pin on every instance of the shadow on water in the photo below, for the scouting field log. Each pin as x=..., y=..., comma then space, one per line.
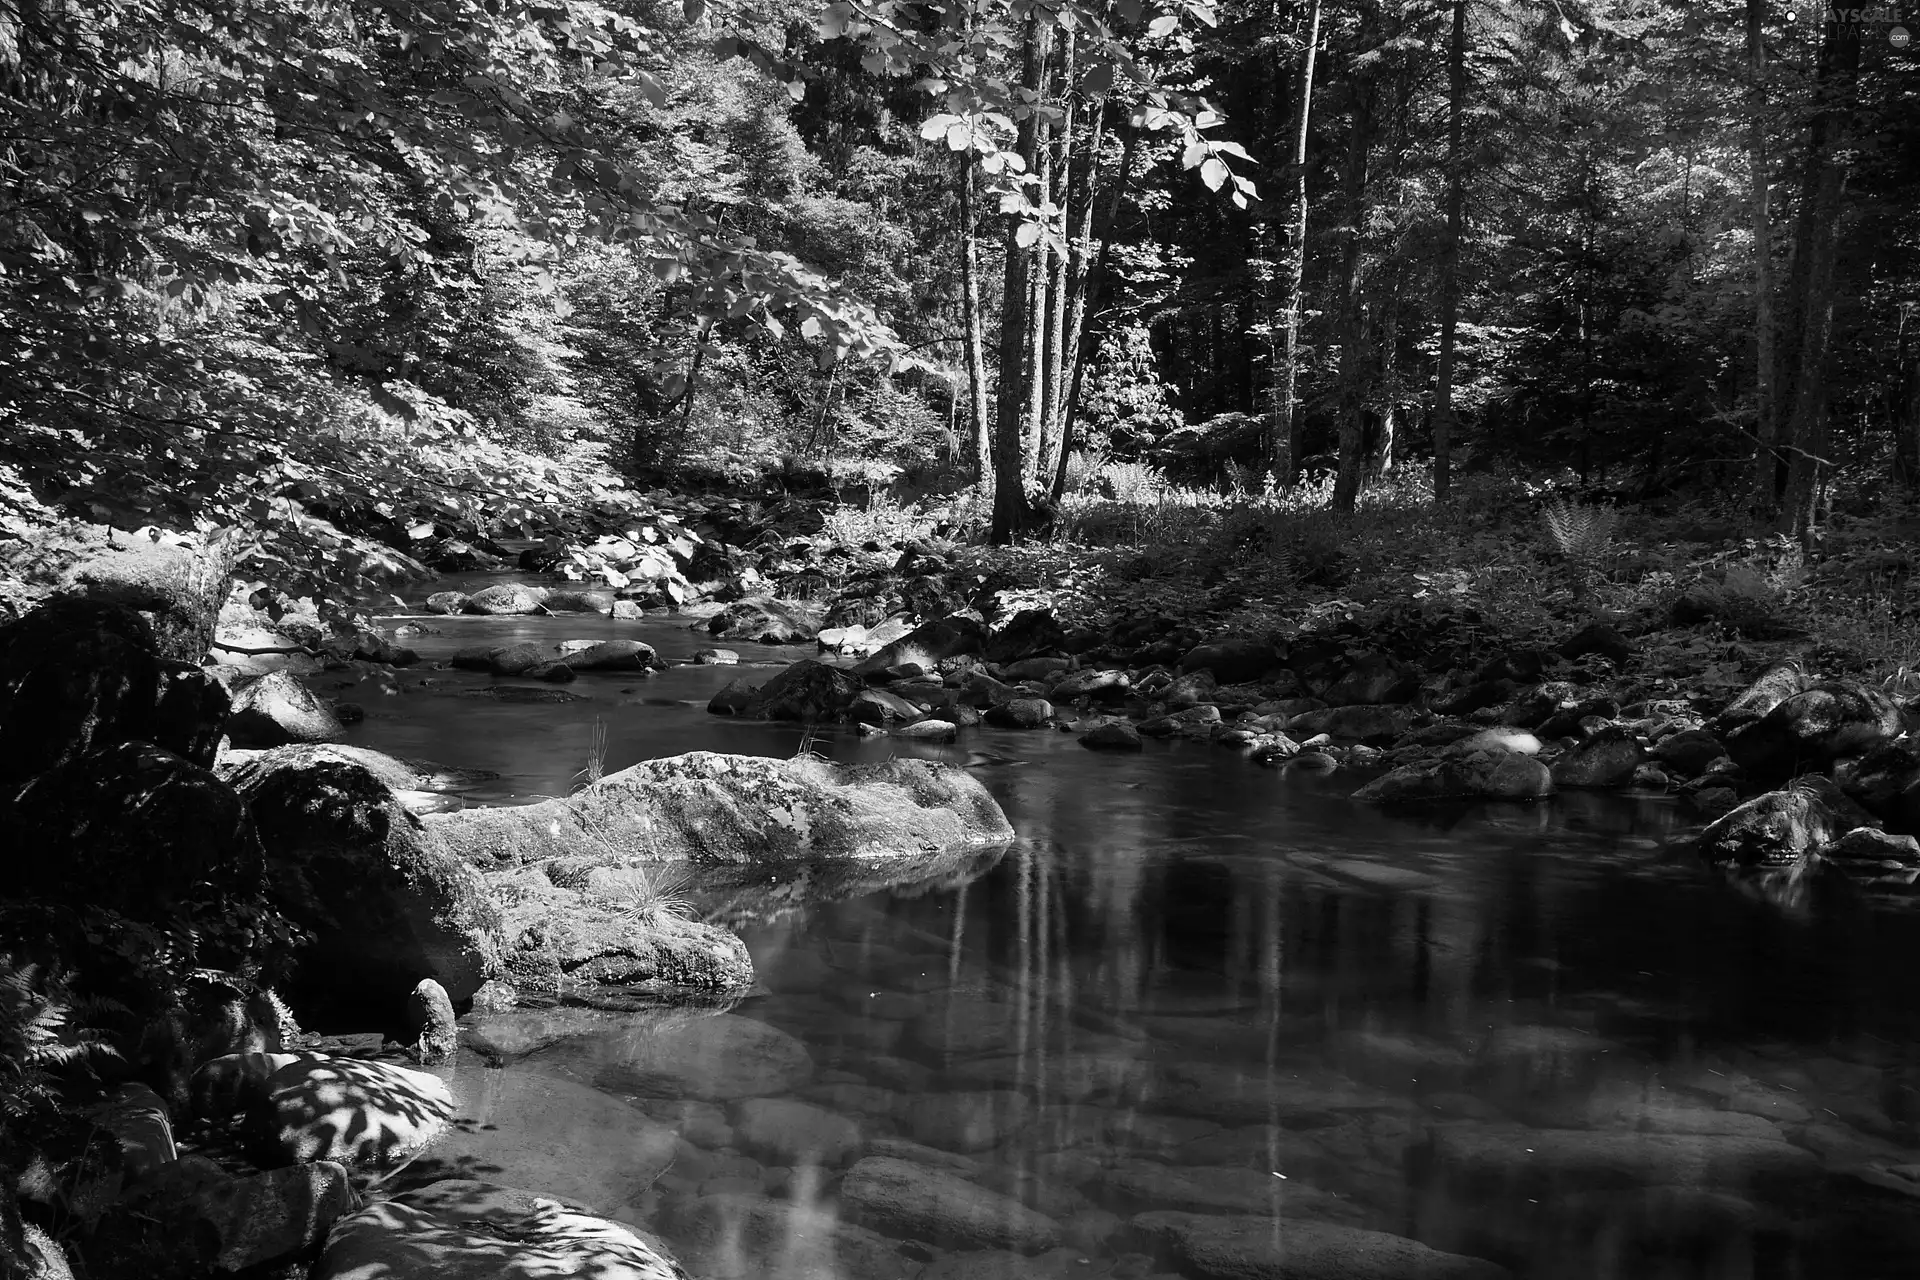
x=1524, y=1033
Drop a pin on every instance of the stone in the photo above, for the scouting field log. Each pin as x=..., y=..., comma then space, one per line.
x=430, y=1015
x=809, y=691
x=715, y=658
x=1112, y=735
x=1773, y=686
x=764, y=620
x=614, y=931
x=967, y=1120
x=1813, y=728
x=1212, y=1247
x=614, y=655
x=1236, y=660
x=794, y=1133
x=881, y=707
x=1190, y=690
x=1021, y=713
x=1868, y=849
x=1095, y=683
x=137, y=1121
x=387, y=901
x=1497, y=738
x=903, y=1198
x=1600, y=639
x=1374, y=679
x=277, y=709
x=1688, y=752
x=355, y=1111
x=1886, y=782
x=1606, y=760
x=1778, y=829
x=1028, y=632
x=507, y=598
x=1489, y=775
x=928, y=644
x=573, y=600
x=1378, y=725
x=716, y=1058
x=175, y=585
x=928, y=731
x=447, y=602
x=708, y=809
x=394, y=1241
x=274, y=1215
x=735, y=698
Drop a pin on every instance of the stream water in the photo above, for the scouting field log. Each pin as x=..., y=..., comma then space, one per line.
x=1520, y=1033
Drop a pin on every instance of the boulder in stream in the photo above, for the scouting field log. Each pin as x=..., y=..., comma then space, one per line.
x=509, y=598
x=764, y=620
x=1813, y=728
x=277, y=709
x=704, y=808
x=809, y=691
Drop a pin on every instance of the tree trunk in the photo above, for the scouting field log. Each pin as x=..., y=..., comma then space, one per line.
x=1769, y=473
x=1284, y=427
x=1088, y=287
x=979, y=436
x=1456, y=205
x=1353, y=355
x=1053, y=381
x=1011, y=511
x=1810, y=300
x=1040, y=163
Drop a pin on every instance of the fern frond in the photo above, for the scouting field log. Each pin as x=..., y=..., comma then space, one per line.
x=1578, y=532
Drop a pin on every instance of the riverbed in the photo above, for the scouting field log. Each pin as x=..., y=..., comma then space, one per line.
x=1521, y=1033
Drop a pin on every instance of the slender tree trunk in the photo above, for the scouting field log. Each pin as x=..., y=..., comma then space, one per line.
x=1816, y=237
x=1353, y=319
x=1456, y=203
x=1040, y=277
x=1011, y=511
x=1768, y=469
x=1089, y=288
x=979, y=430
x=1284, y=429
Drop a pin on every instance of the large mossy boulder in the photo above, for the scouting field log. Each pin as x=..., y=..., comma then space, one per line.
x=809, y=691
x=79, y=676
x=387, y=903
x=1776, y=830
x=1813, y=728
x=708, y=809
x=176, y=584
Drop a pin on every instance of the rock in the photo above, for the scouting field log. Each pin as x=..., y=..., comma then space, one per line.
x=551, y=672
x=735, y=698
x=1557, y=1161
x=275, y=1215
x=313, y=1107
x=808, y=691
x=430, y=1014
x=507, y=598
x=1886, y=783
x=575, y=601
x=176, y=586
x=1486, y=775
x=79, y=676
x=794, y=1133
x=764, y=620
x=614, y=655
x=1021, y=713
x=929, y=731
x=1778, y=829
x=558, y=941
x=906, y=1199
x=393, y=1241
x=136, y=830
x=1689, y=752
x=742, y=1234
x=718, y=1058
x=1772, y=687
x=1027, y=633
x=629, y=611
x=276, y=710
x=447, y=602
x=1606, y=760
x=1190, y=689
x=387, y=902
x=1100, y=685
x=881, y=707
x=1497, y=738
x=1374, y=679
x=137, y=1121
x=1210, y=1247
x=1869, y=849
x=1237, y=660
x=1813, y=728
x=1112, y=735
x=928, y=644
x=715, y=658
x=709, y=809
x=1598, y=638
x=1378, y=725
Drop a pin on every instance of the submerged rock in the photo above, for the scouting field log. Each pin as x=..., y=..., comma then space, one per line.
x=1487, y=775
x=705, y=808
x=905, y=1199
x=1543, y=1161
x=717, y=1058
x=1246, y=1248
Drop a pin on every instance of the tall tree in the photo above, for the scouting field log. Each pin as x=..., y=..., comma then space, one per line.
x=1283, y=427
x=1456, y=204
x=1019, y=327
x=1769, y=471
x=979, y=424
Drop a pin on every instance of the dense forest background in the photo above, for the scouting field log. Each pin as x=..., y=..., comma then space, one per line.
x=361, y=278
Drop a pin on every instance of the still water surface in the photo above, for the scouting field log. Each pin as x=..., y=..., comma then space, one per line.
x=1520, y=1033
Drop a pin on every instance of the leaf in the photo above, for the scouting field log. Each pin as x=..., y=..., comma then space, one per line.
x=1163, y=26
x=937, y=126
x=959, y=137
x=695, y=10
x=1214, y=173
x=1027, y=234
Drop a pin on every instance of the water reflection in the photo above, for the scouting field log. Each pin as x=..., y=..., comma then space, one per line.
x=1214, y=1019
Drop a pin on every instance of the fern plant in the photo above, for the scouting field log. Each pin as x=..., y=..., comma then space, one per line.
x=43, y=1033
x=1582, y=535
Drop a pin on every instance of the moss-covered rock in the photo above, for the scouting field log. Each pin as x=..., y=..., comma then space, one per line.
x=178, y=585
